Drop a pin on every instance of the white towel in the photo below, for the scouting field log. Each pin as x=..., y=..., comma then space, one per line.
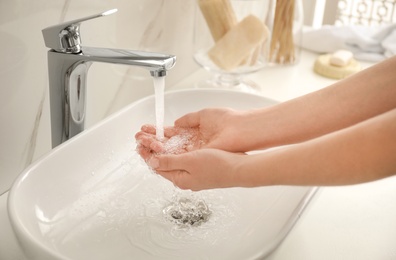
x=366, y=43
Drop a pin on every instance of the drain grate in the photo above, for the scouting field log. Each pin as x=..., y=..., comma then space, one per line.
x=187, y=212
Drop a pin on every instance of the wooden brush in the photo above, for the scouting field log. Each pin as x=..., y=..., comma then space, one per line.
x=282, y=42
x=236, y=44
x=219, y=16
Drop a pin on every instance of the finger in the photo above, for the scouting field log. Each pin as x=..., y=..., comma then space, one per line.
x=144, y=139
x=144, y=152
x=150, y=129
x=171, y=131
x=170, y=162
x=188, y=120
x=178, y=178
x=151, y=143
x=157, y=147
x=140, y=135
x=167, y=175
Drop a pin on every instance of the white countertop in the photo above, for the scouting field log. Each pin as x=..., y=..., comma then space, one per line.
x=350, y=222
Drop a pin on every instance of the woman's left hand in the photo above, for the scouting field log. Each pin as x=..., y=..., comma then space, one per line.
x=199, y=169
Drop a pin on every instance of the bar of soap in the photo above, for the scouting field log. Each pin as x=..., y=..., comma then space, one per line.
x=341, y=58
x=323, y=67
x=238, y=43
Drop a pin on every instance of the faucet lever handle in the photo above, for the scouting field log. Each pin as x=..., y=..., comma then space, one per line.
x=65, y=37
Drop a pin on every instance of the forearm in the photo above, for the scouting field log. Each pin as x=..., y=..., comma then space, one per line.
x=357, y=98
x=360, y=153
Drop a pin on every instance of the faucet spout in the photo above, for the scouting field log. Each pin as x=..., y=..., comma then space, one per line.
x=157, y=63
x=68, y=65
x=68, y=82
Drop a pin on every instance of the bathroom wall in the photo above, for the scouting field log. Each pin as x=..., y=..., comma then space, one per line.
x=152, y=25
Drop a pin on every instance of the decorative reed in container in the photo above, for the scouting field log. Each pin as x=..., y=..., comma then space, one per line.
x=282, y=47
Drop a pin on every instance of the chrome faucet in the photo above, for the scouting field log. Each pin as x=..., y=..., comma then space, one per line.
x=68, y=64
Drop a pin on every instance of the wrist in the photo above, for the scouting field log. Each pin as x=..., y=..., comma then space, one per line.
x=252, y=130
x=246, y=172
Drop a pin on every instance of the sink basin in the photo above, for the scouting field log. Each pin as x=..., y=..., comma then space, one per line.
x=94, y=198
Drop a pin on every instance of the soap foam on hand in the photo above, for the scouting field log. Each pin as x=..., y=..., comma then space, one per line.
x=178, y=144
x=175, y=141
x=186, y=140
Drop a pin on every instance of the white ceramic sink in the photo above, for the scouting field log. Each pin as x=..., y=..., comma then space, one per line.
x=94, y=198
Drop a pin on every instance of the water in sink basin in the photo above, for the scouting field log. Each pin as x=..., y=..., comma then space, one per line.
x=94, y=198
x=126, y=220
x=116, y=220
x=121, y=214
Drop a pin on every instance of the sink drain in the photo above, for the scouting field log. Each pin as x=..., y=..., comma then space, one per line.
x=187, y=212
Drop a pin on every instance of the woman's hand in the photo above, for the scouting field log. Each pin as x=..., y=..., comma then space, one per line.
x=208, y=128
x=199, y=169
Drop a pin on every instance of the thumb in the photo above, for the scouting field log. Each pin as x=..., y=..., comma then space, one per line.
x=168, y=162
x=189, y=120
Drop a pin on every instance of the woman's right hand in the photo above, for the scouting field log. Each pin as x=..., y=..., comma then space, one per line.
x=216, y=128
x=219, y=128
